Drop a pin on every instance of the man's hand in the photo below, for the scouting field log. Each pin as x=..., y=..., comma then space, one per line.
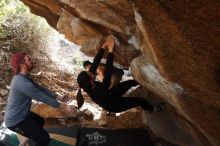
x=68, y=109
x=64, y=98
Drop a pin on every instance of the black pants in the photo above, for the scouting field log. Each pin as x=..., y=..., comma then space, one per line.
x=32, y=127
x=119, y=103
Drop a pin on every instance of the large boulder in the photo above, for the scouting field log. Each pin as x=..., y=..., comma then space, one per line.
x=171, y=46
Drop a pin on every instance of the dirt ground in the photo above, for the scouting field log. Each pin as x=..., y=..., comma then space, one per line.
x=129, y=119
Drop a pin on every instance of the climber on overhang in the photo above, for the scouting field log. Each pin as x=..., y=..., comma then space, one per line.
x=109, y=98
x=116, y=76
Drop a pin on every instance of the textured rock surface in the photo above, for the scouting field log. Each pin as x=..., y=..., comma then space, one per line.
x=172, y=47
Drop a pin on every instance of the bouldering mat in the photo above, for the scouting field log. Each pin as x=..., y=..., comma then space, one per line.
x=113, y=137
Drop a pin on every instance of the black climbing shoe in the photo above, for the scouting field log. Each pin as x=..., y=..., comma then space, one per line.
x=159, y=107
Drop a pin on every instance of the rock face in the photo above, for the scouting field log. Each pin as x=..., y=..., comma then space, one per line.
x=173, y=50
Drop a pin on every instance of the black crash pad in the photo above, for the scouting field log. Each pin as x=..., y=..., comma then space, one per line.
x=113, y=137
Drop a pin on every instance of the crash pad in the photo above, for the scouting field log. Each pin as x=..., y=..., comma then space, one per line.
x=84, y=136
x=113, y=137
